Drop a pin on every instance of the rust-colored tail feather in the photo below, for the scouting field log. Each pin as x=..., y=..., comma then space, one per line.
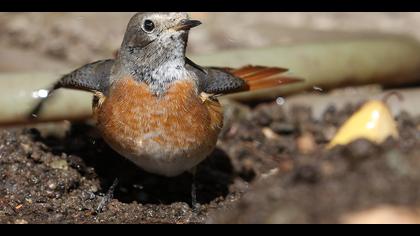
x=272, y=82
x=260, y=77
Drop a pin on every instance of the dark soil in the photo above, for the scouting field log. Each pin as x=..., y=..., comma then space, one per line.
x=258, y=174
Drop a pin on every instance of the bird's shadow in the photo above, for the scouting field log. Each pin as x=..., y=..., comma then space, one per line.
x=93, y=158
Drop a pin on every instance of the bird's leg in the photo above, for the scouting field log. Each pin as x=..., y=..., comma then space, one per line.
x=194, y=202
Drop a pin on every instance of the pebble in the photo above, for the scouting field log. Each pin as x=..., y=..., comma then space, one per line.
x=269, y=173
x=59, y=164
x=26, y=148
x=21, y=222
x=306, y=143
x=93, y=188
x=52, y=185
x=269, y=133
x=382, y=215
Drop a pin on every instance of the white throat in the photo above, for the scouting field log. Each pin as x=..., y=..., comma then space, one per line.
x=167, y=73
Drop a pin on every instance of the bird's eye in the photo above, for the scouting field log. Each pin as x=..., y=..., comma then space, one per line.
x=148, y=26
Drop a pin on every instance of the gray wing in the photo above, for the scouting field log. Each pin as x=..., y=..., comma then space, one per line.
x=93, y=77
x=90, y=77
x=216, y=80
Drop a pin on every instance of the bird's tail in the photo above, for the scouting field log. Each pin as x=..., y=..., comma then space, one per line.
x=261, y=77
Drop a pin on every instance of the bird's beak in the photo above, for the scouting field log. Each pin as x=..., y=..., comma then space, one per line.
x=187, y=24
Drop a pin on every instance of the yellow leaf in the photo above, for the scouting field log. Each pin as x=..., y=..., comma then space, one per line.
x=373, y=121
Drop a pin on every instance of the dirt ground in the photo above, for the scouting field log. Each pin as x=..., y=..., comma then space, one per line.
x=270, y=165
x=258, y=174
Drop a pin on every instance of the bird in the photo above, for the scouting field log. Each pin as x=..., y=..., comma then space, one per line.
x=155, y=106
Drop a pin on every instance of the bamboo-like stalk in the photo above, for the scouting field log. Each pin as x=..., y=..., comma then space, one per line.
x=18, y=96
x=386, y=61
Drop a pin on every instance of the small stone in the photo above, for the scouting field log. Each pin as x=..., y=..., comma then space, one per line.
x=26, y=148
x=52, y=185
x=306, y=143
x=59, y=164
x=21, y=222
x=36, y=156
x=269, y=173
x=269, y=134
x=382, y=215
x=93, y=188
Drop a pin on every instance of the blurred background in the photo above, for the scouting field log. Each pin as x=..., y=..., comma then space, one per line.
x=58, y=41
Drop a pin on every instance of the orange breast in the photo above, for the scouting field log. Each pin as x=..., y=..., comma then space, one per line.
x=132, y=118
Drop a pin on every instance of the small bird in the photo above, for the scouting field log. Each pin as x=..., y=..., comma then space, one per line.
x=155, y=106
